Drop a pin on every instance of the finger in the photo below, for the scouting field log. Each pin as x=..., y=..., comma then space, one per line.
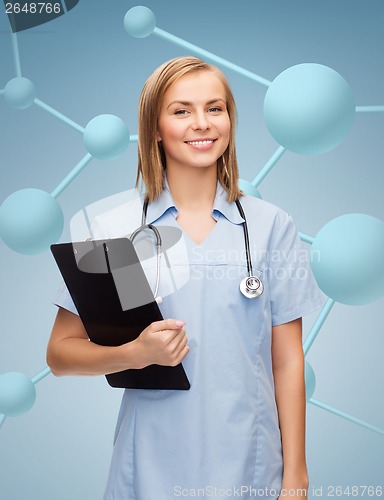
x=180, y=342
x=172, y=338
x=173, y=342
x=166, y=324
x=179, y=348
x=182, y=355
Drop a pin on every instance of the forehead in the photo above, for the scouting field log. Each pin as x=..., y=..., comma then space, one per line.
x=196, y=86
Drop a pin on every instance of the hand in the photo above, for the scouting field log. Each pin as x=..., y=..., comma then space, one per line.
x=162, y=343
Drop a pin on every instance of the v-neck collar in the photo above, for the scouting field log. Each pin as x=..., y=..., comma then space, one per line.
x=220, y=205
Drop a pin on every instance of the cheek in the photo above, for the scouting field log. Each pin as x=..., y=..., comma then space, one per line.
x=229, y=126
x=226, y=130
x=225, y=127
x=169, y=131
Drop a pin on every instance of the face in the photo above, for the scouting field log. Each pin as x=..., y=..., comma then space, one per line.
x=193, y=124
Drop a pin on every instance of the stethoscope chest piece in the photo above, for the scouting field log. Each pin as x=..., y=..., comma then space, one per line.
x=251, y=287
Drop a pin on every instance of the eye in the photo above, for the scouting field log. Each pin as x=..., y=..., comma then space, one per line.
x=181, y=112
x=215, y=109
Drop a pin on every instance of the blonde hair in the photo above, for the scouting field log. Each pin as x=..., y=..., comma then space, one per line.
x=152, y=162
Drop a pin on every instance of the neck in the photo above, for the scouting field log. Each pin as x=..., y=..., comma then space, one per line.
x=193, y=188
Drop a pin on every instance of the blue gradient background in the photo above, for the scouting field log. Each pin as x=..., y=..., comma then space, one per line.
x=84, y=64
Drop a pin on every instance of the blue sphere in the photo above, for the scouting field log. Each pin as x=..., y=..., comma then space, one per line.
x=17, y=394
x=309, y=109
x=20, y=93
x=139, y=21
x=310, y=381
x=347, y=259
x=106, y=137
x=30, y=221
x=248, y=188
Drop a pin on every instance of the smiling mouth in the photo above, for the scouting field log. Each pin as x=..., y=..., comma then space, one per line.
x=200, y=143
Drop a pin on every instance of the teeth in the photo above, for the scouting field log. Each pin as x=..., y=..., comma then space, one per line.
x=195, y=143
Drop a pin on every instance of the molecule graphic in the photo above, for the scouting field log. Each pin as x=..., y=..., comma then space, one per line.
x=309, y=109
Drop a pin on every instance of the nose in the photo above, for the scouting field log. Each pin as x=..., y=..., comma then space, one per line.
x=201, y=121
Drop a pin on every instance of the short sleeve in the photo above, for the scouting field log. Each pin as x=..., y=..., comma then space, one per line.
x=293, y=288
x=63, y=299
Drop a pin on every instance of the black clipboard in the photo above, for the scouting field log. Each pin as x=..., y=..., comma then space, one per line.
x=114, y=315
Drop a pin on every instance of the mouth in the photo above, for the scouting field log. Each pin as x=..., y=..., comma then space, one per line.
x=201, y=142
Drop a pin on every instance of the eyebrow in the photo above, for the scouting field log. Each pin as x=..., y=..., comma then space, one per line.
x=188, y=103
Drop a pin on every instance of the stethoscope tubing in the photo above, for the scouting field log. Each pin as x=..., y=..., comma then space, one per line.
x=158, y=248
x=250, y=287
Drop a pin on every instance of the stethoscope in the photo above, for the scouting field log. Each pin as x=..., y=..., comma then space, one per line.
x=250, y=286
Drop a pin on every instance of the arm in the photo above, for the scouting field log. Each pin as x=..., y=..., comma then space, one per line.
x=288, y=372
x=70, y=352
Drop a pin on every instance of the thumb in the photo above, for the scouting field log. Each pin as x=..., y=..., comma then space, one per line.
x=167, y=324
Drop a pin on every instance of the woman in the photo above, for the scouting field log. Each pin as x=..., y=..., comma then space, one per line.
x=240, y=429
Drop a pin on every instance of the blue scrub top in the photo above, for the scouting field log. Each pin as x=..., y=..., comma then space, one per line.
x=221, y=438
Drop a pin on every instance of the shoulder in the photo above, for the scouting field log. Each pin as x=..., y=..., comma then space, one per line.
x=260, y=211
x=121, y=220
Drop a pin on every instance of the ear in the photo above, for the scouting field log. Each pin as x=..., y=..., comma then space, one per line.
x=158, y=137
